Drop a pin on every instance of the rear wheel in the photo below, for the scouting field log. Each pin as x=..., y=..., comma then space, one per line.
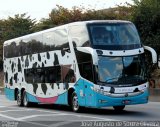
x=19, y=99
x=75, y=103
x=119, y=108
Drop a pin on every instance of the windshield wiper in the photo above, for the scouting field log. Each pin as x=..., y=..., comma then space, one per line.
x=110, y=80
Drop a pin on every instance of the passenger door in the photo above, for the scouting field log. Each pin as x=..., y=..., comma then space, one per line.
x=88, y=84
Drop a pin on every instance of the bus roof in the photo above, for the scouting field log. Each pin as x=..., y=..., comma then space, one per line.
x=63, y=26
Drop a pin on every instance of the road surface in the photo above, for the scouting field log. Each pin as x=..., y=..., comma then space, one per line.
x=61, y=116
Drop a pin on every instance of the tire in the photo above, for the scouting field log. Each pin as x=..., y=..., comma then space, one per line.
x=25, y=101
x=19, y=99
x=119, y=108
x=74, y=103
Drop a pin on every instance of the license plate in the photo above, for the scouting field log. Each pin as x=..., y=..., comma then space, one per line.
x=126, y=101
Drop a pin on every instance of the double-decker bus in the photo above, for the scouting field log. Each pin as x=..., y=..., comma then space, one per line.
x=83, y=64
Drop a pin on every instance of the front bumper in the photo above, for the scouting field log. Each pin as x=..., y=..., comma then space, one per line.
x=104, y=100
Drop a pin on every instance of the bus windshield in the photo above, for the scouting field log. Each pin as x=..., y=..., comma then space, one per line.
x=121, y=70
x=117, y=36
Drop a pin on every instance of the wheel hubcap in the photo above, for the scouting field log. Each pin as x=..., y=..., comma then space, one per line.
x=18, y=100
x=75, y=103
x=25, y=100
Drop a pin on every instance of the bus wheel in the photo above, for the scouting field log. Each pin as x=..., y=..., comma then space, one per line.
x=26, y=103
x=75, y=104
x=119, y=108
x=19, y=99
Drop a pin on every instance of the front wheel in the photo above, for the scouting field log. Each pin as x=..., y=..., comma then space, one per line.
x=75, y=103
x=26, y=103
x=119, y=108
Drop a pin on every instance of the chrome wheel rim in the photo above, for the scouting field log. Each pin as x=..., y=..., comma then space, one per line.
x=25, y=100
x=18, y=100
x=75, y=103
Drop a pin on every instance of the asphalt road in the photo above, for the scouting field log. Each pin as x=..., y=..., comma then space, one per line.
x=61, y=116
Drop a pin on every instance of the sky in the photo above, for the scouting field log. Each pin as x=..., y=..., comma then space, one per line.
x=39, y=9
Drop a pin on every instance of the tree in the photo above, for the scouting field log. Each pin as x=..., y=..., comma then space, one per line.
x=146, y=17
x=13, y=27
x=61, y=15
x=17, y=26
x=43, y=24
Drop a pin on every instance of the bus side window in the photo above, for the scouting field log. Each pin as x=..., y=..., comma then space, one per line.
x=49, y=75
x=58, y=74
x=43, y=75
x=68, y=75
x=87, y=71
x=53, y=74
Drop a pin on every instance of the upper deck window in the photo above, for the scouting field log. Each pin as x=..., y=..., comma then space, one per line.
x=114, y=36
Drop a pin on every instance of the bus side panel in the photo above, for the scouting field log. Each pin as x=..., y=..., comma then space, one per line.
x=32, y=98
x=62, y=99
x=10, y=77
x=79, y=89
x=85, y=94
x=89, y=94
x=9, y=93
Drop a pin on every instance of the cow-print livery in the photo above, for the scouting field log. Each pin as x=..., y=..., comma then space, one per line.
x=14, y=72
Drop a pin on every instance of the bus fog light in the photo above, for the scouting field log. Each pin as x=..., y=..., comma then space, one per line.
x=106, y=93
x=142, y=91
x=95, y=89
x=102, y=101
x=101, y=91
x=145, y=98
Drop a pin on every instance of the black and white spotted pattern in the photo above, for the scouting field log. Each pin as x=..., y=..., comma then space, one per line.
x=14, y=72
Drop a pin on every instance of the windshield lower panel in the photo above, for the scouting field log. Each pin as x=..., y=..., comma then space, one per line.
x=125, y=71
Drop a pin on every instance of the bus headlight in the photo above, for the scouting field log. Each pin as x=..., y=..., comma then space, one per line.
x=100, y=91
x=95, y=89
x=106, y=93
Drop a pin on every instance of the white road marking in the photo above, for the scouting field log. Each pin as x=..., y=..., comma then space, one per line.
x=16, y=110
x=47, y=111
x=57, y=113
x=8, y=117
x=39, y=124
x=100, y=118
x=60, y=124
x=19, y=120
x=32, y=116
x=11, y=107
x=60, y=112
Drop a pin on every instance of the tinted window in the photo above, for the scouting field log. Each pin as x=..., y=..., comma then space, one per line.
x=48, y=41
x=56, y=74
x=43, y=75
x=86, y=71
x=117, y=36
x=85, y=65
x=68, y=74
